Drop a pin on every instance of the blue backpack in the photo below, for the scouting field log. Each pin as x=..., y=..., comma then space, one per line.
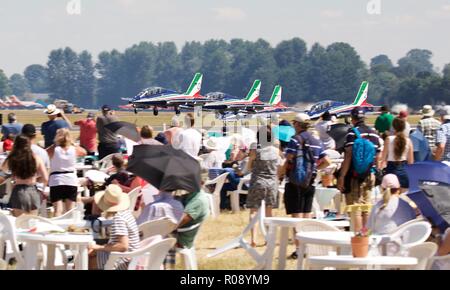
x=363, y=155
x=303, y=172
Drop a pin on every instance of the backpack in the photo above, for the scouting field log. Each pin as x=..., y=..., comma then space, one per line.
x=363, y=155
x=302, y=174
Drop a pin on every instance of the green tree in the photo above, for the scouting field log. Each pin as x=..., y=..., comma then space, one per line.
x=86, y=81
x=18, y=84
x=191, y=61
x=216, y=65
x=111, y=76
x=381, y=63
x=168, y=66
x=37, y=78
x=5, y=89
x=417, y=60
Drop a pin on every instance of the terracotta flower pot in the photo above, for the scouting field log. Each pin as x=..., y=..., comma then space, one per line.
x=360, y=247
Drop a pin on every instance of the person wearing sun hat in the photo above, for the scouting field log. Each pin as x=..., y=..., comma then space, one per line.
x=216, y=157
x=392, y=211
x=443, y=136
x=57, y=120
x=124, y=234
x=428, y=125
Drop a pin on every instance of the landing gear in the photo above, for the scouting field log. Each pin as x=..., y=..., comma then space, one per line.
x=155, y=111
x=135, y=111
x=177, y=111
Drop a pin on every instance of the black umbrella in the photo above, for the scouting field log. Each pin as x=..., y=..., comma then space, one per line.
x=338, y=132
x=165, y=168
x=125, y=129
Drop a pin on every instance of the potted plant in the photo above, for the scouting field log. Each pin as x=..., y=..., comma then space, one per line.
x=360, y=243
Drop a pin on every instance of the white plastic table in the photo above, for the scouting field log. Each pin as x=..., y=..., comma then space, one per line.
x=336, y=239
x=286, y=224
x=79, y=242
x=346, y=262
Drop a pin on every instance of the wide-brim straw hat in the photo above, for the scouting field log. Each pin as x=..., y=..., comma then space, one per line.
x=112, y=199
x=211, y=144
x=52, y=110
x=428, y=111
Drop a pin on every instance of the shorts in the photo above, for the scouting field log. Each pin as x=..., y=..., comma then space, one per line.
x=398, y=169
x=361, y=191
x=63, y=192
x=25, y=197
x=262, y=189
x=297, y=200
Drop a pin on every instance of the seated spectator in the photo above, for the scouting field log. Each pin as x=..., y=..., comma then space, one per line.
x=215, y=157
x=161, y=137
x=147, y=134
x=164, y=206
x=119, y=172
x=392, y=211
x=124, y=235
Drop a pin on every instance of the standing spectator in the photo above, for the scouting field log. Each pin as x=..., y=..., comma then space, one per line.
x=172, y=133
x=147, y=136
x=63, y=180
x=29, y=131
x=443, y=137
x=322, y=128
x=429, y=126
x=88, y=133
x=398, y=152
x=27, y=169
x=264, y=164
x=108, y=140
x=13, y=127
x=404, y=116
x=50, y=127
x=360, y=186
x=190, y=140
x=384, y=122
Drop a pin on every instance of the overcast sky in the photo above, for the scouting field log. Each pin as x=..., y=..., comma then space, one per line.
x=30, y=29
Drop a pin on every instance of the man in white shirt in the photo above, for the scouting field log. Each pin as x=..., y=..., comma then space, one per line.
x=29, y=131
x=189, y=140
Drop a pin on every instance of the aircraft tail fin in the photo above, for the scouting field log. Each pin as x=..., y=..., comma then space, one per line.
x=275, y=100
x=361, y=98
x=196, y=86
x=253, y=94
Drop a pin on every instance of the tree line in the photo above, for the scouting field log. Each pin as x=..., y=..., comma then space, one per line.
x=334, y=72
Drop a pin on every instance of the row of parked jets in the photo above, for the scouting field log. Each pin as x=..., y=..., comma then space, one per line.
x=228, y=107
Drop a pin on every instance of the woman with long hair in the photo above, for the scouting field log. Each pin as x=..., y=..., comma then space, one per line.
x=63, y=180
x=27, y=169
x=398, y=152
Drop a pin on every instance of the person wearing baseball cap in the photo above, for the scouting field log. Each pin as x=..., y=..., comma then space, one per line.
x=13, y=127
x=29, y=131
x=108, y=140
x=391, y=212
x=443, y=136
x=298, y=201
x=358, y=189
x=88, y=133
x=383, y=123
x=428, y=126
x=49, y=128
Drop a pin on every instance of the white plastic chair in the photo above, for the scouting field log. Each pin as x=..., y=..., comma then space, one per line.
x=412, y=234
x=313, y=250
x=150, y=255
x=8, y=190
x=189, y=255
x=423, y=252
x=214, y=198
x=133, y=195
x=234, y=195
x=161, y=227
x=71, y=214
x=400, y=227
x=8, y=237
x=104, y=164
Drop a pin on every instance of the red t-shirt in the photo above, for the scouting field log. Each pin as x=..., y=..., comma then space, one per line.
x=88, y=134
x=8, y=145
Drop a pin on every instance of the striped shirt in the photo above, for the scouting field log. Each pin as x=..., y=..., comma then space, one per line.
x=429, y=126
x=124, y=224
x=366, y=133
x=443, y=137
x=311, y=143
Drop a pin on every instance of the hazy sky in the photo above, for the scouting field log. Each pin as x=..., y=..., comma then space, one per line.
x=30, y=29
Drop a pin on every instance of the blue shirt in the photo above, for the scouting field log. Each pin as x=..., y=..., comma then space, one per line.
x=311, y=142
x=49, y=130
x=443, y=137
x=11, y=128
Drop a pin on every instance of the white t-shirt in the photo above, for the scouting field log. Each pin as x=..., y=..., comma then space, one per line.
x=215, y=159
x=42, y=154
x=190, y=141
x=396, y=213
x=63, y=161
x=391, y=154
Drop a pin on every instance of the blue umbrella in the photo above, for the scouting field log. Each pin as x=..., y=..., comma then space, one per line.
x=283, y=133
x=433, y=200
x=422, y=150
x=427, y=171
